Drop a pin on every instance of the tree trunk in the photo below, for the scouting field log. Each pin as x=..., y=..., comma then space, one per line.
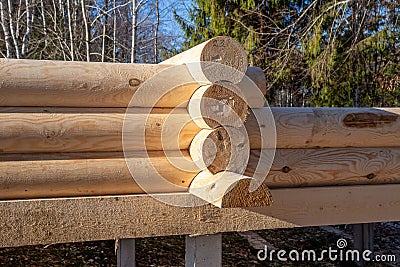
x=156, y=32
x=7, y=36
x=87, y=30
x=134, y=21
x=12, y=30
x=71, y=40
x=30, y=14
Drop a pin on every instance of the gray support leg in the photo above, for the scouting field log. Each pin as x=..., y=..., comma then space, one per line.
x=203, y=251
x=126, y=252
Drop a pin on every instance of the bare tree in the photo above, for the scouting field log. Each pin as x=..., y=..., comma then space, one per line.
x=30, y=15
x=157, y=24
x=71, y=37
x=87, y=30
x=4, y=25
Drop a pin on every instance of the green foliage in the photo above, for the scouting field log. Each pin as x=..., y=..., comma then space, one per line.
x=322, y=53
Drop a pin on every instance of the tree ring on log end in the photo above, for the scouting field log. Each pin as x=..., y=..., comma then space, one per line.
x=218, y=105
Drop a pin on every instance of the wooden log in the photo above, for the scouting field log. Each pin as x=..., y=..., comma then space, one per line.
x=222, y=50
x=324, y=167
x=62, y=220
x=84, y=174
x=230, y=190
x=83, y=84
x=36, y=129
x=325, y=127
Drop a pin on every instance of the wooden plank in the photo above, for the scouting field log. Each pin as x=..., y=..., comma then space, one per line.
x=325, y=127
x=28, y=222
x=203, y=251
x=126, y=252
x=48, y=129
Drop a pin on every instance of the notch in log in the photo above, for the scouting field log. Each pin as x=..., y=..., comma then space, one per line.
x=230, y=190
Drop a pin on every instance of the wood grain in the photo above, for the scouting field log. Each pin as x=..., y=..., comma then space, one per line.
x=230, y=190
x=60, y=220
x=326, y=127
x=84, y=174
x=35, y=130
x=330, y=166
x=222, y=50
x=82, y=84
x=218, y=104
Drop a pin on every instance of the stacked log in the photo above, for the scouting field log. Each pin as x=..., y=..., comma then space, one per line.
x=62, y=127
x=61, y=123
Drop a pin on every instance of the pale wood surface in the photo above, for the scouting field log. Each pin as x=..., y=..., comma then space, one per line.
x=74, y=84
x=36, y=129
x=213, y=105
x=83, y=174
x=327, y=127
x=331, y=166
x=28, y=222
x=203, y=251
x=212, y=149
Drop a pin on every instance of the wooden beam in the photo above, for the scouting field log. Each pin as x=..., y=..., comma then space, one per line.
x=85, y=174
x=299, y=167
x=126, y=252
x=74, y=84
x=203, y=251
x=49, y=129
x=60, y=220
x=324, y=127
x=104, y=173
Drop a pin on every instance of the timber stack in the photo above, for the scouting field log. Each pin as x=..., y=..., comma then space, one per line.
x=73, y=128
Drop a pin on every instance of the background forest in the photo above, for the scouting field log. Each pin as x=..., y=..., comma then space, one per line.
x=313, y=53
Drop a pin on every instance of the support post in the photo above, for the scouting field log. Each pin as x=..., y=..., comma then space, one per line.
x=363, y=238
x=126, y=252
x=203, y=251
